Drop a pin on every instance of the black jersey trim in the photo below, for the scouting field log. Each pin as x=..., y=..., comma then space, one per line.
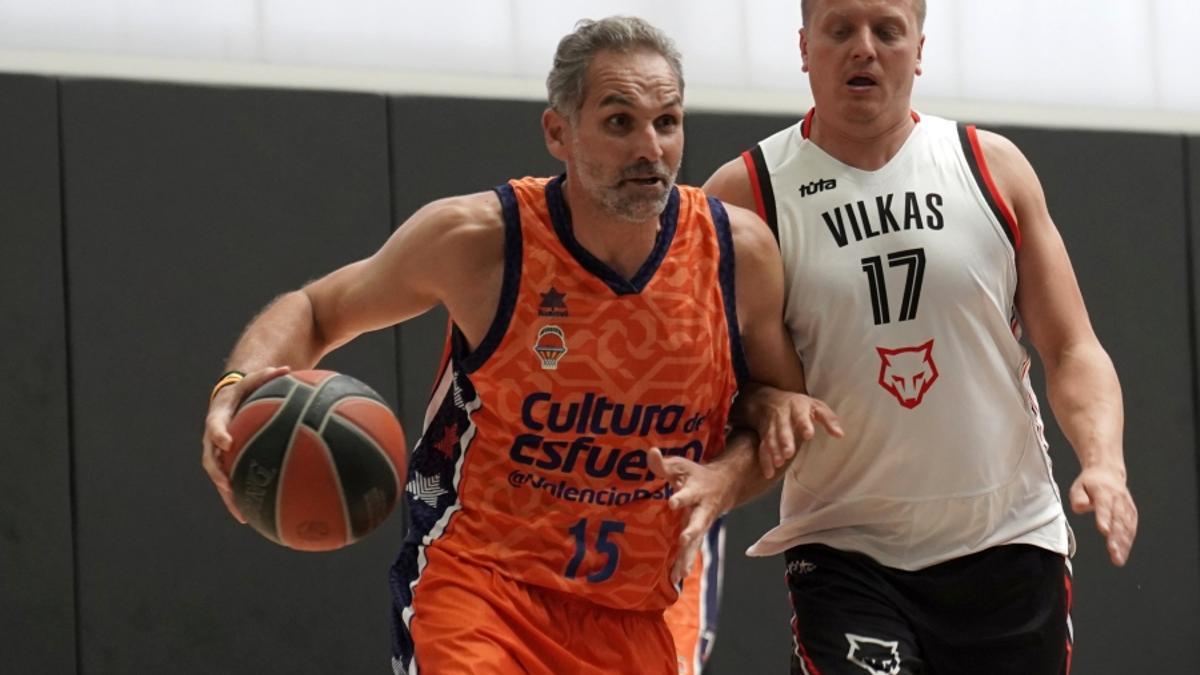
x=760, y=182
x=726, y=274
x=510, y=287
x=560, y=215
x=978, y=167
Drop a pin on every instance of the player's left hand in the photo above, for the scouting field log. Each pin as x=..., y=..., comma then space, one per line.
x=1104, y=491
x=784, y=420
x=704, y=491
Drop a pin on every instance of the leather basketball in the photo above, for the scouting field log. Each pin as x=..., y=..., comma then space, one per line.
x=317, y=460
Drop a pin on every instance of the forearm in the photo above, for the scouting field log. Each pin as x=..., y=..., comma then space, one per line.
x=283, y=334
x=740, y=468
x=745, y=410
x=1086, y=398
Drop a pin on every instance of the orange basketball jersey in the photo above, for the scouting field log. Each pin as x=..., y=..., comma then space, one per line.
x=533, y=461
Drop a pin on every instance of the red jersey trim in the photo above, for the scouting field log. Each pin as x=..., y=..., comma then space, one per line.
x=806, y=125
x=991, y=192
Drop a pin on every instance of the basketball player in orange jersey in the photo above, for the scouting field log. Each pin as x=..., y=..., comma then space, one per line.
x=932, y=538
x=600, y=320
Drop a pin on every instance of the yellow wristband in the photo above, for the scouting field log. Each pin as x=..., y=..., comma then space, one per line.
x=232, y=377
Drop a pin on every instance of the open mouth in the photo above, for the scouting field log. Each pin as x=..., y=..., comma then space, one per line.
x=647, y=182
x=861, y=81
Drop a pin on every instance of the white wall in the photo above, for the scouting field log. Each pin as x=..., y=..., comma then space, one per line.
x=1088, y=63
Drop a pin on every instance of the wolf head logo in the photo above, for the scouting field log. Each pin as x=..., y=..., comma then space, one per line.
x=877, y=657
x=908, y=372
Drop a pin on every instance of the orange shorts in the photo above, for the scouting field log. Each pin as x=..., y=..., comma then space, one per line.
x=470, y=619
x=693, y=617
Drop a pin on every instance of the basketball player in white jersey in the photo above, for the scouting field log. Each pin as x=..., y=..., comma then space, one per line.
x=931, y=539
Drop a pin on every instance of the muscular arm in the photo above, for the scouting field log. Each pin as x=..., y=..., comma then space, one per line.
x=449, y=252
x=1081, y=383
x=424, y=263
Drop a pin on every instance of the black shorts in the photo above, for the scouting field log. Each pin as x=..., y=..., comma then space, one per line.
x=1005, y=610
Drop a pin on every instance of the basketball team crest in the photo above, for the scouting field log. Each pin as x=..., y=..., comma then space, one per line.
x=550, y=346
x=908, y=372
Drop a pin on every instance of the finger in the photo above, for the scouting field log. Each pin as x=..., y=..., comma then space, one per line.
x=217, y=429
x=689, y=543
x=1102, y=505
x=783, y=442
x=683, y=564
x=691, y=494
x=766, y=461
x=215, y=473
x=1081, y=502
x=260, y=377
x=803, y=423
x=674, y=469
x=786, y=444
x=825, y=416
x=1124, y=528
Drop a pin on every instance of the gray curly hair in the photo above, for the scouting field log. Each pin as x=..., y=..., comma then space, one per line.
x=566, y=83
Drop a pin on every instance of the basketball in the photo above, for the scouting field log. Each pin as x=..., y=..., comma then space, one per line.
x=317, y=460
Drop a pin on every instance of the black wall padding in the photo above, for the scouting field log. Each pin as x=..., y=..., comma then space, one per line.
x=37, y=613
x=445, y=147
x=188, y=209
x=1191, y=180
x=182, y=210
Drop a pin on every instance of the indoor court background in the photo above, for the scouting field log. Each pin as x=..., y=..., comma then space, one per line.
x=142, y=225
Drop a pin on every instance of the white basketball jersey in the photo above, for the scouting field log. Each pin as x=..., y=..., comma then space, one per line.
x=900, y=291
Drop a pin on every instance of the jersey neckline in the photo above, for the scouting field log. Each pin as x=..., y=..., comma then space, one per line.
x=560, y=217
x=805, y=127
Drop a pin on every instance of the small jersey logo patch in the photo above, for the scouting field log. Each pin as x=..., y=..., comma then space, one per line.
x=550, y=346
x=553, y=303
x=878, y=657
x=819, y=185
x=800, y=567
x=908, y=373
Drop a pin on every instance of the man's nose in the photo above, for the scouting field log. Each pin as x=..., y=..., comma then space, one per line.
x=649, y=144
x=862, y=45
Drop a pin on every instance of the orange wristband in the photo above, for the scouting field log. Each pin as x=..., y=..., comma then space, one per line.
x=231, y=377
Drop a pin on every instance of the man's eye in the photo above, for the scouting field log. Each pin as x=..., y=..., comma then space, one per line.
x=618, y=121
x=668, y=122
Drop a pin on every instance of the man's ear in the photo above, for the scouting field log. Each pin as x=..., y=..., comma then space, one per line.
x=803, y=49
x=555, y=130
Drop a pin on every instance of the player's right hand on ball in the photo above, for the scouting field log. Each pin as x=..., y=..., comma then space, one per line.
x=216, y=429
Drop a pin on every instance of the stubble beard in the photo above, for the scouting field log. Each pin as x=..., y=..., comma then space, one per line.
x=630, y=208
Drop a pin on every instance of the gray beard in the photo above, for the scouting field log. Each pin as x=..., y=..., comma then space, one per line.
x=635, y=210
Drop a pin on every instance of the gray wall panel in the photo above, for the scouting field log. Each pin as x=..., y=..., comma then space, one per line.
x=444, y=147
x=1118, y=201
x=37, y=614
x=188, y=208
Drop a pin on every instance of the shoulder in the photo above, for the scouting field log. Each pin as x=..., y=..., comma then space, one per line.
x=1014, y=175
x=470, y=226
x=463, y=218
x=731, y=184
x=753, y=242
